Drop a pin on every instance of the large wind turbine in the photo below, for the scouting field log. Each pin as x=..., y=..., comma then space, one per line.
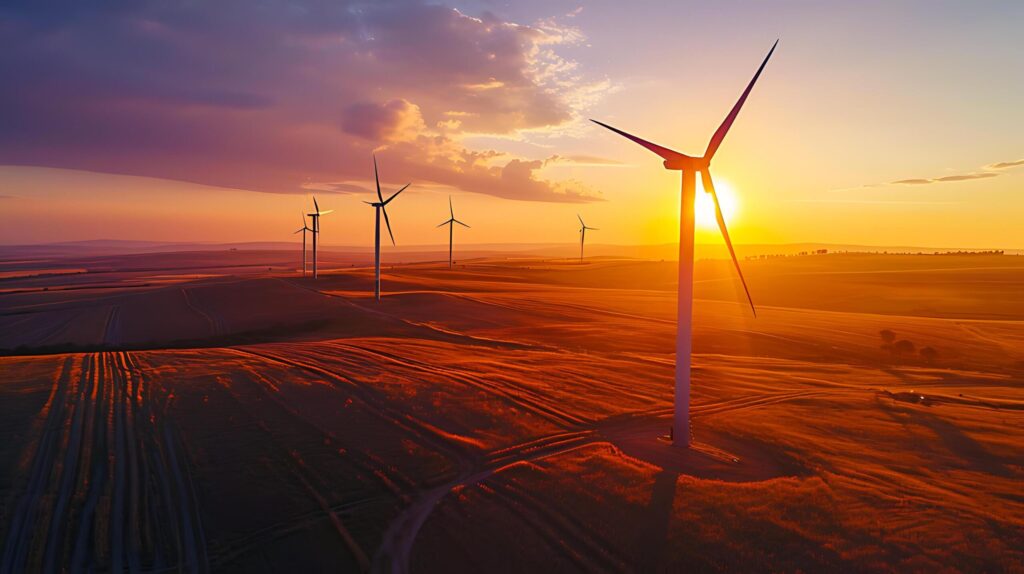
x=316, y=230
x=451, y=225
x=303, y=231
x=689, y=166
x=583, y=234
x=379, y=205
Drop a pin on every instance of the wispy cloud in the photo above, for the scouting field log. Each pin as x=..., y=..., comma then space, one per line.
x=587, y=160
x=988, y=171
x=959, y=177
x=1005, y=164
x=874, y=201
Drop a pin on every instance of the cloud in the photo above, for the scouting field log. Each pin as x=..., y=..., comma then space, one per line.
x=396, y=120
x=988, y=171
x=270, y=96
x=947, y=178
x=872, y=201
x=342, y=188
x=966, y=176
x=1005, y=164
x=588, y=160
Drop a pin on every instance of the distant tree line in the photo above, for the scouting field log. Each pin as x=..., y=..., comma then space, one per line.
x=904, y=348
x=826, y=251
x=781, y=255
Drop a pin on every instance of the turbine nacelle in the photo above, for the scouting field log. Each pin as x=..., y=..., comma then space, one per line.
x=686, y=163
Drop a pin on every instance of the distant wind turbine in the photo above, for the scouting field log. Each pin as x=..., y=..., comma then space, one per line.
x=380, y=207
x=583, y=234
x=303, y=231
x=316, y=231
x=689, y=166
x=451, y=225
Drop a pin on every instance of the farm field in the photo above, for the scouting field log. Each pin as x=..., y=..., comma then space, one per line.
x=505, y=415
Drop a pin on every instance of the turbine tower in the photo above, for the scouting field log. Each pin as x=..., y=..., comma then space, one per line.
x=303, y=230
x=451, y=224
x=583, y=234
x=316, y=230
x=690, y=166
x=379, y=205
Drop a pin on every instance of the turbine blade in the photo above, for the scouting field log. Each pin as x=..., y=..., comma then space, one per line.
x=716, y=140
x=664, y=152
x=710, y=188
x=460, y=223
x=396, y=193
x=388, y=223
x=376, y=177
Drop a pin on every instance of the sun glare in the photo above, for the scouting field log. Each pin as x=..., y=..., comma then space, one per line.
x=704, y=206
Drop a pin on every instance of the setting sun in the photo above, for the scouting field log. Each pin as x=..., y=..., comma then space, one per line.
x=704, y=206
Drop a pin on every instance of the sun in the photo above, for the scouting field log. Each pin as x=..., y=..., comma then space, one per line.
x=704, y=206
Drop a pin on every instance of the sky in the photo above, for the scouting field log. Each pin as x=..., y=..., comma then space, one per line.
x=876, y=123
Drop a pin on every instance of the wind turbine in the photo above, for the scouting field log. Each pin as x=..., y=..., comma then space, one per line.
x=303, y=230
x=379, y=205
x=583, y=234
x=316, y=232
x=689, y=166
x=451, y=225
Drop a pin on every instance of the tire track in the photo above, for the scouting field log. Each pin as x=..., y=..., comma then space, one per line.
x=580, y=544
x=104, y=485
x=94, y=459
x=394, y=553
x=177, y=498
x=524, y=397
x=112, y=327
x=396, y=546
x=307, y=477
x=378, y=405
x=70, y=466
x=26, y=513
x=216, y=329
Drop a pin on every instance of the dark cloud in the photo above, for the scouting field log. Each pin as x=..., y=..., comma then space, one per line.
x=272, y=95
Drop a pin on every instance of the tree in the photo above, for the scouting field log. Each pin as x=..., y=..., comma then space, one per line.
x=901, y=347
x=929, y=354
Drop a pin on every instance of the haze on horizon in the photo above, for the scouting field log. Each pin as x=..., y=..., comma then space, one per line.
x=874, y=124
